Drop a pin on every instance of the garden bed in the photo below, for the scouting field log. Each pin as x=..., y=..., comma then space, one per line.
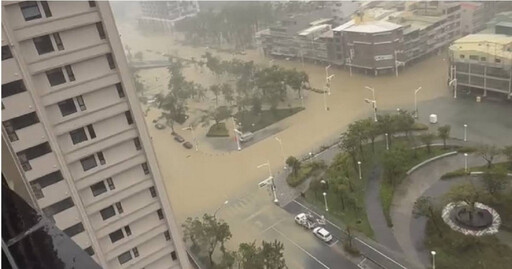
x=218, y=130
x=252, y=122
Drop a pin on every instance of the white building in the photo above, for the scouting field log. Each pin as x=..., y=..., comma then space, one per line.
x=164, y=14
x=76, y=138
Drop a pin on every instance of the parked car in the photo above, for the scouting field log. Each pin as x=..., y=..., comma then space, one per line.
x=246, y=137
x=322, y=234
x=159, y=126
x=178, y=138
x=187, y=145
x=305, y=220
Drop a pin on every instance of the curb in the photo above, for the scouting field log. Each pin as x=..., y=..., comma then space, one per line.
x=430, y=160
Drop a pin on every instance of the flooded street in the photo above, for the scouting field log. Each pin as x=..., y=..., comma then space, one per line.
x=199, y=182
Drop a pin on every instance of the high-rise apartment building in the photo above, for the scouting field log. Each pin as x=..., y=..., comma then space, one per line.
x=74, y=127
x=164, y=14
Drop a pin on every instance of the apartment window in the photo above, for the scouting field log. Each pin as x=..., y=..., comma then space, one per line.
x=58, y=207
x=30, y=10
x=98, y=188
x=14, y=124
x=67, y=107
x=173, y=255
x=78, y=136
x=45, y=181
x=70, y=73
x=497, y=60
x=46, y=9
x=167, y=236
x=129, y=117
x=58, y=41
x=128, y=230
x=120, y=90
x=116, y=236
x=80, y=101
x=119, y=207
x=107, y=213
x=13, y=88
x=74, y=230
x=92, y=3
x=89, y=251
x=473, y=57
x=101, y=158
x=483, y=59
x=145, y=168
x=462, y=56
x=43, y=44
x=110, y=183
x=110, y=60
x=6, y=53
x=160, y=214
x=125, y=257
x=91, y=131
x=136, y=141
x=152, y=191
x=135, y=252
x=55, y=76
x=101, y=31
x=88, y=163
x=31, y=153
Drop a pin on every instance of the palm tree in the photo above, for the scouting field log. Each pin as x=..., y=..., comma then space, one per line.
x=444, y=133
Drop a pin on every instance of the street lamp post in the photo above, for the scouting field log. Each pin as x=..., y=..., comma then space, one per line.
x=433, y=259
x=465, y=162
x=220, y=207
x=282, y=151
x=453, y=80
x=237, y=138
x=416, y=102
x=327, y=79
x=397, y=63
x=193, y=136
x=325, y=201
x=325, y=100
x=372, y=90
x=387, y=141
x=271, y=178
x=359, y=164
x=374, y=105
x=465, y=132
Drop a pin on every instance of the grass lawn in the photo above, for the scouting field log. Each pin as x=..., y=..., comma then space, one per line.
x=252, y=122
x=218, y=130
x=387, y=190
x=460, y=172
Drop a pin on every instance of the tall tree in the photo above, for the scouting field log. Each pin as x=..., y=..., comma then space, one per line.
x=466, y=193
x=294, y=164
x=216, y=90
x=228, y=92
x=443, y=132
x=488, y=152
x=427, y=139
x=394, y=162
x=404, y=121
x=386, y=126
x=272, y=255
x=349, y=143
x=425, y=207
x=249, y=256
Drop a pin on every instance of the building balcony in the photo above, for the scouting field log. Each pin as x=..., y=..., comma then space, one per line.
x=54, y=193
x=82, y=240
x=17, y=105
x=67, y=218
x=41, y=166
x=30, y=136
x=10, y=71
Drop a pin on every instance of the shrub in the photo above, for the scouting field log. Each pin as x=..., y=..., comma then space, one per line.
x=457, y=173
x=218, y=130
x=419, y=127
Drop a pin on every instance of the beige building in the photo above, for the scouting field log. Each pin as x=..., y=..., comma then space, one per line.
x=74, y=136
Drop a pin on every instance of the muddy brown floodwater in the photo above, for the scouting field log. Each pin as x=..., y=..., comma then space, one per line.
x=199, y=182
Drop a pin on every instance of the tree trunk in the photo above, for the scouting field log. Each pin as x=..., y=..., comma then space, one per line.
x=433, y=218
x=342, y=202
x=444, y=143
x=373, y=144
x=210, y=253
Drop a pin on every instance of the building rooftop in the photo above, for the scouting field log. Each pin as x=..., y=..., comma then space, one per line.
x=370, y=27
x=491, y=44
x=314, y=29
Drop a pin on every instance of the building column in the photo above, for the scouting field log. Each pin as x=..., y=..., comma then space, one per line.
x=485, y=81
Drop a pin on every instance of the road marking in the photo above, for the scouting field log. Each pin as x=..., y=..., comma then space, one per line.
x=357, y=239
x=333, y=243
x=255, y=214
x=287, y=238
x=271, y=226
x=360, y=265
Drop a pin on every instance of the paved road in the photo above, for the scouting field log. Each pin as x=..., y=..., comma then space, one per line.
x=379, y=254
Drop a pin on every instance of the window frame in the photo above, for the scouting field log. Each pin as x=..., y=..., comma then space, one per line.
x=138, y=145
x=108, y=212
x=46, y=9
x=78, y=136
x=125, y=257
x=27, y=5
x=116, y=235
x=6, y=52
x=101, y=158
x=65, y=104
x=43, y=44
x=57, y=74
x=120, y=90
x=58, y=41
x=69, y=72
x=110, y=60
x=160, y=214
x=135, y=251
x=129, y=117
x=152, y=190
x=81, y=103
x=167, y=235
x=101, y=30
x=98, y=188
x=85, y=160
x=90, y=129
x=119, y=207
x=145, y=168
x=127, y=230
x=110, y=184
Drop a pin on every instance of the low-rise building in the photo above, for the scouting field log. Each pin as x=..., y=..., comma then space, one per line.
x=482, y=63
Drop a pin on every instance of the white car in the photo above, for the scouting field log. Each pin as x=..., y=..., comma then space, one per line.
x=322, y=234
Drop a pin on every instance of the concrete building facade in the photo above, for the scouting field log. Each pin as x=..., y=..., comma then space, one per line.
x=76, y=137
x=164, y=14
